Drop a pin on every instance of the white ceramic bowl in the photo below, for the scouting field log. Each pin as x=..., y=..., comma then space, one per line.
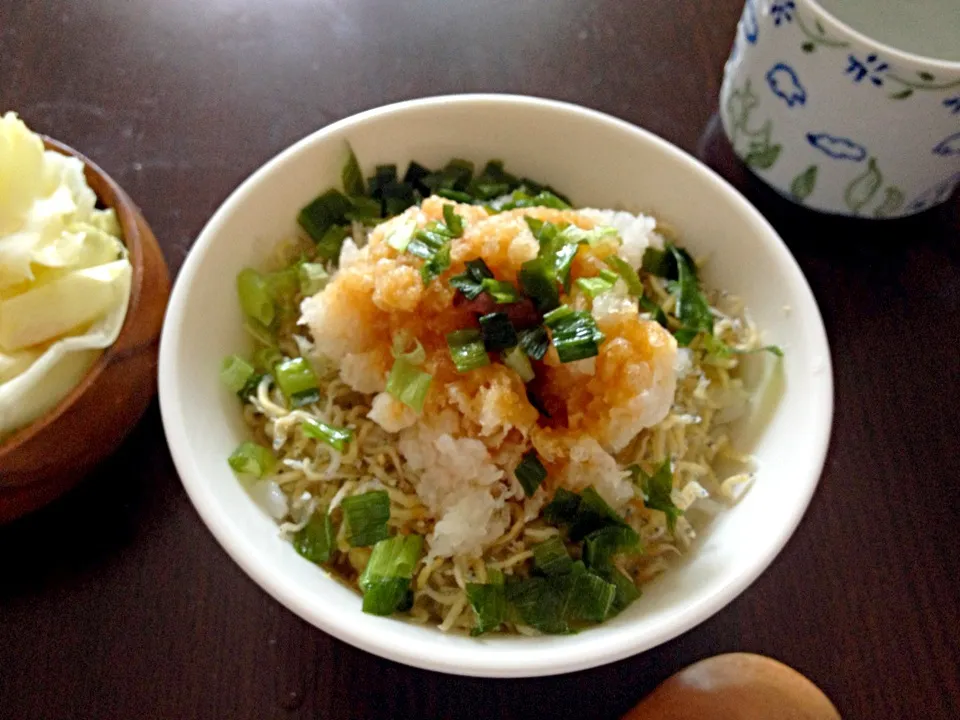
x=600, y=162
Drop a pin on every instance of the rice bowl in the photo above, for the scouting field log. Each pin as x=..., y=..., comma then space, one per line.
x=721, y=562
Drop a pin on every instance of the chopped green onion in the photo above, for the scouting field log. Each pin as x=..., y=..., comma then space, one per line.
x=538, y=279
x=593, y=514
x=255, y=299
x=470, y=281
x=250, y=388
x=453, y=221
x=627, y=273
x=328, y=209
x=260, y=332
x=502, y=291
x=297, y=380
x=363, y=209
x=657, y=262
x=384, y=176
x=626, y=590
x=352, y=175
x=252, y=459
x=594, y=286
x=329, y=244
x=521, y=199
x=535, y=342
x=385, y=581
x=498, y=332
x=455, y=195
x=530, y=472
x=692, y=308
x=516, y=359
x=489, y=602
x=601, y=545
x=415, y=175
x=551, y=557
x=467, y=350
x=455, y=176
x=574, y=234
x=366, y=516
x=313, y=278
x=401, y=341
x=538, y=604
x=408, y=384
x=335, y=437
x=590, y=598
x=402, y=234
x=563, y=509
x=610, y=276
x=266, y=358
x=575, y=333
x=315, y=540
x=235, y=373
x=283, y=286
x=657, y=490
x=436, y=265
x=392, y=557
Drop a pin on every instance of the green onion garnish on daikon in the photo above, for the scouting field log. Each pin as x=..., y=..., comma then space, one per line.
x=530, y=472
x=235, y=373
x=516, y=359
x=366, y=516
x=535, y=342
x=252, y=459
x=335, y=437
x=470, y=281
x=550, y=557
x=627, y=274
x=255, y=299
x=297, y=381
x=575, y=333
x=467, y=350
x=408, y=384
x=498, y=332
x=315, y=540
x=453, y=221
x=502, y=291
x=489, y=602
x=594, y=286
x=385, y=582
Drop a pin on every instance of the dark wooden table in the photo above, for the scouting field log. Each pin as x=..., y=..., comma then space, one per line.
x=116, y=602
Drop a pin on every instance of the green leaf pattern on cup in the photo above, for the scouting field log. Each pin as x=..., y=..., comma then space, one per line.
x=804, y=183
x=863, y=187
x=893, y=198
x=758, y=150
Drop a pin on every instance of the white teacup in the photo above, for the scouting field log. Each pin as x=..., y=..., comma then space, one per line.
x=839, y=121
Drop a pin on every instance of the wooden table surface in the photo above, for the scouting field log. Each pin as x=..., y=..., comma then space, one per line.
x=116, y=602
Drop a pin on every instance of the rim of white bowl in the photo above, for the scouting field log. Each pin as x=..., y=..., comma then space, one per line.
x=434, y=656
x=901, y=56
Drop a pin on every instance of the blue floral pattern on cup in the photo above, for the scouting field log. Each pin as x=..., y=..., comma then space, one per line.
x=839, y=148
x=950, y=145
x=953, y=104
x=784, y=83
x=870, y=68
x=935, y=195
x=782, y=12
x=751, y=30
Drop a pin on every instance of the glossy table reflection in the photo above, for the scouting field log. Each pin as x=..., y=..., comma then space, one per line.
x=116, y=602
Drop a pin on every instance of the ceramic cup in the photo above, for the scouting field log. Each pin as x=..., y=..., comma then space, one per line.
x=838, y=121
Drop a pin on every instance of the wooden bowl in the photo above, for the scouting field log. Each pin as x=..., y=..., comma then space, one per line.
x=45, y=459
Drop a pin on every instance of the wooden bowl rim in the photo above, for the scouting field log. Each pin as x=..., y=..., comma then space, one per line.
x=127, y=214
